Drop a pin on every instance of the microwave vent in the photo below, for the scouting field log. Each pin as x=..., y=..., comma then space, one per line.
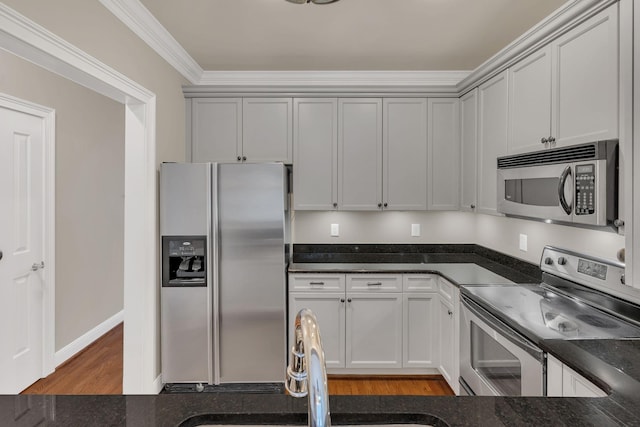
x=557, y=155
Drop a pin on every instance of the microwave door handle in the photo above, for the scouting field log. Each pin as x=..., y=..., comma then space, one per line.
x=563, y=201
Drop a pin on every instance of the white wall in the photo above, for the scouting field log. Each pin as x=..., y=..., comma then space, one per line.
x=89, y=195
x=93, y=29
x=498, y=233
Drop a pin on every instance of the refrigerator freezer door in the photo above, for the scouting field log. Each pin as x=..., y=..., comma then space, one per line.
x=251, y=306
x=185, y=352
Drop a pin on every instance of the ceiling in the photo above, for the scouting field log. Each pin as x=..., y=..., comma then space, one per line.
x=349, y=35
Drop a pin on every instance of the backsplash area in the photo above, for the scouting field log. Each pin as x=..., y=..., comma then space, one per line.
x=498, y=233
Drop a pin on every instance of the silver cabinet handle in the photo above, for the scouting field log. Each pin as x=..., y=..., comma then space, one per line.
x=341, y=299
x=374, y=283
x=450, y=312
x=544, y=140
x=348, y=299
x=316, y=283
x=472, y=206
x=1, y=254
x=36, y=267
x=551, y=140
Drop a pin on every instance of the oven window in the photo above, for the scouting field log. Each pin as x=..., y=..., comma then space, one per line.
x=532, y=191
x=499, y=367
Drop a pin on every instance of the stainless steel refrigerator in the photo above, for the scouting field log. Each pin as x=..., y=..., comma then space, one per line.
x=223, y=290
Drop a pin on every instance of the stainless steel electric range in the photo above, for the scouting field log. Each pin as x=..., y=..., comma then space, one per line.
x=501, y=326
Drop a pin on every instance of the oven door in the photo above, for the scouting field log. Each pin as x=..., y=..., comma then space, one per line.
x=494, y=359
x=543, y=192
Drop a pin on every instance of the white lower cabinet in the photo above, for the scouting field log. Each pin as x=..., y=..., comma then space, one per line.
x=449, y=333
x=419, y=335
x=562, y=381
x=374, y=330
x=328, y=308
x=382, y=323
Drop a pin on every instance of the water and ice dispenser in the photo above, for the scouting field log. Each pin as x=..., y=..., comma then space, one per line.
x=184, y=261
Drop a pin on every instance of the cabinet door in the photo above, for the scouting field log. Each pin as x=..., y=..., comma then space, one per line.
x=468, y=146
x=266, y=130
x=359, y=153
x=374, y=330
x=492, y=142
x=216, y=129
x=444, y=154
x=420, y=330
x=329, y=309
x=404, y=155
x=530, y=102
x=447, y=342
x=315, y=141
x=585, y=88
x=575, y=385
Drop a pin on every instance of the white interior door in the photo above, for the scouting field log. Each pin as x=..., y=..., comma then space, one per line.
x=22, y=246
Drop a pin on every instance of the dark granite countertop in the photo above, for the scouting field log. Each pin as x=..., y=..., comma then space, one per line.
x=190, y=409
x=462, y=264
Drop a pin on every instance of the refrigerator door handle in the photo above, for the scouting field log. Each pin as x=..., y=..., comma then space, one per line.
x=214, y=317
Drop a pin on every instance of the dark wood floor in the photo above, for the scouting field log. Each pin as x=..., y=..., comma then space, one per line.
x=98, y=370
x=95, y=370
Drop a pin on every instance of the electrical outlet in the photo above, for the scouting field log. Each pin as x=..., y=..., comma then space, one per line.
x=415, y=230
x=335, y=230
x=523, y=242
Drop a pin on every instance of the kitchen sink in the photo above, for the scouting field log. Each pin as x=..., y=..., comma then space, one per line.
x=293, y=420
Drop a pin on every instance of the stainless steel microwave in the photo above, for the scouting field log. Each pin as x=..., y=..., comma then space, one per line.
x=576, y=184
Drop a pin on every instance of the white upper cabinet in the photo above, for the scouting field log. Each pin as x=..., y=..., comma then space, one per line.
x=360, y=153
x=216, y=129
x=444, y=154
x=567, y=92
x=585, y=88
x=241, y=130
x=468, y=146
x=315, y=165
x=530, y=102
x=266, y=130
x=404, y=154
x=492, y=138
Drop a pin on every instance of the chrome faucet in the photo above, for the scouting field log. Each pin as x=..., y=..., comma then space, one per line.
x=307, y=373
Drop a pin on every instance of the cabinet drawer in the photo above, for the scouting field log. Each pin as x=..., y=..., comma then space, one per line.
x=332, y=282
x=420, y=283
x=374, y=282
x=446, y=289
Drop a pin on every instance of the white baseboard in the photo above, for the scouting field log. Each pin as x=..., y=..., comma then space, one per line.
x=83, y=341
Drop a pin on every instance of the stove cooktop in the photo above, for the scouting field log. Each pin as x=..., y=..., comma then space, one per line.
x=539, y=313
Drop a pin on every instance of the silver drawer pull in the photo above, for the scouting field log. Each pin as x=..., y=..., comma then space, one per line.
x=374, y=283
x=316, y=283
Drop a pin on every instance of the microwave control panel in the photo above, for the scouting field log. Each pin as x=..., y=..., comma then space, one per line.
x=585, y=189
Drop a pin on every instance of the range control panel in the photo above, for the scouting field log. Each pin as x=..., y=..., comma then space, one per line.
x=585, y=189
x=581, y=268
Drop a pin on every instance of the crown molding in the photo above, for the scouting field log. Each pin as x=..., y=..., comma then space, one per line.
x=560, y=21
x=139, y=20
x=332, y=78
x=324, y=79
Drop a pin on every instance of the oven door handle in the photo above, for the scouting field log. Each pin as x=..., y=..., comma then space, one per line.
x=503, y=330
x=563, y=201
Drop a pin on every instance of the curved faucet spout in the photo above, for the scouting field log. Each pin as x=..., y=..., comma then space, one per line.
x=307, y=373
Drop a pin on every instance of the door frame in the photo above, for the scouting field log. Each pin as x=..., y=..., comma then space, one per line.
x=29, y=40
x=48, y=116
